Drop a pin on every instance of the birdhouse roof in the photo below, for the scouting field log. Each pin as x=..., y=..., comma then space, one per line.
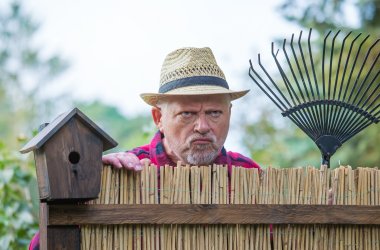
x=45, y=134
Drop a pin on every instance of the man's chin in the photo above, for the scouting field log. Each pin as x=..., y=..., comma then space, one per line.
x=202, y=158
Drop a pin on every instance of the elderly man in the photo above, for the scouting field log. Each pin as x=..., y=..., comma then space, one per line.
x=192, y=111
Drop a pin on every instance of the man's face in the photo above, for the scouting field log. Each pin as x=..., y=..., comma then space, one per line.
x=195, y=127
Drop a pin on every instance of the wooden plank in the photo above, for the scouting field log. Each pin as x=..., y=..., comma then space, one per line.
x=63, y=237
x=57, y=237
x=42, y=174
x=212, y=214
x=43, y=225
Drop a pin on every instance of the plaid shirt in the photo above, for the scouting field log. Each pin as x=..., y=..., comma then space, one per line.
x=156, y=153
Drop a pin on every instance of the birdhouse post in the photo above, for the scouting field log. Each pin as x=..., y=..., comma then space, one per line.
x=68, y=158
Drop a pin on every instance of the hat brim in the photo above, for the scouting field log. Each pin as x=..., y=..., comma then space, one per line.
x=153, y=98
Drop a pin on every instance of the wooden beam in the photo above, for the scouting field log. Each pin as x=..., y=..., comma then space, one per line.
x=57, y=237
x=212, y=214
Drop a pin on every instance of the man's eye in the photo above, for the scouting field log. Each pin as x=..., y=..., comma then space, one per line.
x=215, y=113
x=186, y=114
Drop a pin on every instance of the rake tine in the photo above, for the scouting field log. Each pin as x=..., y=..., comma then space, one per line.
x=302, y=119
x=353, y=133
x=291, y=69
x=284, y=77
x=352, y=69
x=367, y=89
x=293, y=119
x=363, y=126
x=329, y=117
x=345, y=67
x=306, y=68
x=313, y=116
x=344, y=114
x=323, y=65
x=346, y=129
x=288, y=86
x=338, y=67
x=301, y=126
x=312, y=65
x=369, y=72
x=283, y=108
x=377, y=113
x=298, y=66
x=318, y=107
x=336, y=114
x=331, y=63
x=278, y=102
x=347, y=125
x=353, y=65
x=307, y=121
x=354, y=126
x=274, y=84
x=374, y=91
x=373, y=101
x=324, y=110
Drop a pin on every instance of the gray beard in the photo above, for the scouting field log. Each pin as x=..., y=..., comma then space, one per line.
x=202, y=156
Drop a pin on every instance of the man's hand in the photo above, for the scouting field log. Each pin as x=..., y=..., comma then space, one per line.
x=126, y=160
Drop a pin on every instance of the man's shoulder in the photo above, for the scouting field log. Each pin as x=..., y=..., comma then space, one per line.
x=238, y=159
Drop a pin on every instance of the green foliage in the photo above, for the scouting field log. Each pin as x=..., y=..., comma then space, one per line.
x=129, y=132
x=325, y=15
x=17, y=223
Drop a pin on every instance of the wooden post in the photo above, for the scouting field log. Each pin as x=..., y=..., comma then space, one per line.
x=57, y=237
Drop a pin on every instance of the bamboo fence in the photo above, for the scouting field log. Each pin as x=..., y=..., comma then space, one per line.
x=217, y=185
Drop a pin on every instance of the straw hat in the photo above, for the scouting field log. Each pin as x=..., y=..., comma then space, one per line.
x=191, y=71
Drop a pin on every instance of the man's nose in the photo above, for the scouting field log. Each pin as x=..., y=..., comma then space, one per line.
x=201, y=124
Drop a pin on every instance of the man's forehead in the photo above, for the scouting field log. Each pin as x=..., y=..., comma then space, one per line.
x=196, y=99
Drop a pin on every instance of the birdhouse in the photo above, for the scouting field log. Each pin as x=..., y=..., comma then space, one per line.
x=68, y=157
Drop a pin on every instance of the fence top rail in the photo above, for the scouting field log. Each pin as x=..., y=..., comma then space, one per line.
x=120, y=214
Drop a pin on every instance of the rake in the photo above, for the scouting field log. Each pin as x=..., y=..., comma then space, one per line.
x=331, y=97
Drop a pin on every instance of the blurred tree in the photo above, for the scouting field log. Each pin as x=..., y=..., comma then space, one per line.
x=274, y=141
x=24, y=74
x=25, y=71
x=128, y=132
x=322, y=15
x=17, y=222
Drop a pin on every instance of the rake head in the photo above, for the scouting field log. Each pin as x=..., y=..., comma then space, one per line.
x=332, y=94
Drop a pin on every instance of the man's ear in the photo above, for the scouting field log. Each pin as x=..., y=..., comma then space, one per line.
x=157, y=115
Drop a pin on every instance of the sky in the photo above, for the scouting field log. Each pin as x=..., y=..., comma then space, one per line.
x=116, y=48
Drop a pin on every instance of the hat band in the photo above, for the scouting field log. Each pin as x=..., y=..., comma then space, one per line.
x=193, y=81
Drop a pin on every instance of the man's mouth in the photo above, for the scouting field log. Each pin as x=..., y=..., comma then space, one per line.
x=201, y=141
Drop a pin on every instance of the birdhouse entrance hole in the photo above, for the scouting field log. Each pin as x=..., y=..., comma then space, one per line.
x=74, y=157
